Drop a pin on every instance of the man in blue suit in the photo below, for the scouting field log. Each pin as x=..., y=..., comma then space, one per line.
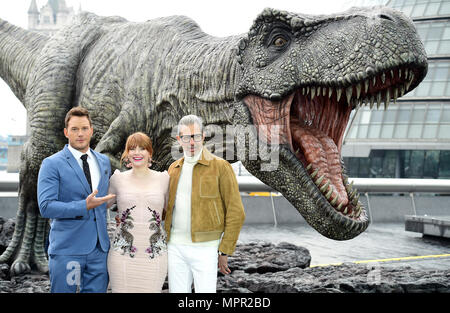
x=69, y=182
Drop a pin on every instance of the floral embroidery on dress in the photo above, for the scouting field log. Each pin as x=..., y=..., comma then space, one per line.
x=158, y=238
x=124, y=239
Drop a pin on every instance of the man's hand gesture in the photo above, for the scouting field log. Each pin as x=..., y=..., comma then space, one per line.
x=93, y=202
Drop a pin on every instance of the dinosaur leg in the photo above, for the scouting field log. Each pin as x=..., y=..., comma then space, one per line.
x=22, y=262
x=10, y=251
x=19, y=247
x=27, y=248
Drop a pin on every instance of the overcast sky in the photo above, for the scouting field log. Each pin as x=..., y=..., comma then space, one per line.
x=218, y=18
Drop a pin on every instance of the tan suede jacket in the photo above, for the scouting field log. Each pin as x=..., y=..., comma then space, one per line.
x=216, y=205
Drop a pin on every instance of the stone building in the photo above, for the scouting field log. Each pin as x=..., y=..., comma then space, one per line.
x=50, y=18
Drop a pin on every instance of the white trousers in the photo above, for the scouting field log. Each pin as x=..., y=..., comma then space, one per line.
x=188, y=263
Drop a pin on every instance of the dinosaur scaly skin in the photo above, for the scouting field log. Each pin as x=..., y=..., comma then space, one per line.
x=294, y=77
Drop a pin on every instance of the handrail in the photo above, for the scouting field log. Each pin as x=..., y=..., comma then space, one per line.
x=371, y=185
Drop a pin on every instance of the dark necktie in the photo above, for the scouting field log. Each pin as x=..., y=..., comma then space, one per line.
x=86, y=170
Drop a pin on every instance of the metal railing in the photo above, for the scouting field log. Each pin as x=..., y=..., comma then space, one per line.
x=371, y=185
x=364, y=186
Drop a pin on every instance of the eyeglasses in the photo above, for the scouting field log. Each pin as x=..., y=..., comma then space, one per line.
x=187, y=138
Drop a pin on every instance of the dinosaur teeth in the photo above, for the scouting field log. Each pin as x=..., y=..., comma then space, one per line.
x=349, y=92
x=345, y=179
x=325, y=187
x=402, y=90
x=395, y=95
x=378, y=100
x=353, y=193
x=315, y=173
x=358, y=90
x=349, y=187
x=319, y=180
x=386, y=101
x=361, y=102
x=358, y=211
x=333, y=202
x=366, y=85
x=309, y=166
x=355, y=199
x=372, y=101
x=338, y=93
x=411, y=78
x=328, y=195
x=408, y=84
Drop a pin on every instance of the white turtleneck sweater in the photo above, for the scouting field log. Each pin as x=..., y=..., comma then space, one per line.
x=181, y=220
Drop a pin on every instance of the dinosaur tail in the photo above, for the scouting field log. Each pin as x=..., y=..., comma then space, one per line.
x=18, y=51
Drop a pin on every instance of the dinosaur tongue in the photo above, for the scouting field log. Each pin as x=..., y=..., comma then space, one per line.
x=321, y=152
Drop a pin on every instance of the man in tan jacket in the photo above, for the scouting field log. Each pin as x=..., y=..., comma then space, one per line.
x=204, y=213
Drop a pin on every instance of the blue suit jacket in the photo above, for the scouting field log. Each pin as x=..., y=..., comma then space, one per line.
x=62, y=192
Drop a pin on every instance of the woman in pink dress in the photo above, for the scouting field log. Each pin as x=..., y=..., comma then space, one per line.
x=137, y=260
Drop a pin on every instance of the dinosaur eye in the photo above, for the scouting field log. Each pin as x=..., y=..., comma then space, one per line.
x=279, y=41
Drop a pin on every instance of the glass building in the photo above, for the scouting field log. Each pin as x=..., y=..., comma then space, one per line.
x=412, y=138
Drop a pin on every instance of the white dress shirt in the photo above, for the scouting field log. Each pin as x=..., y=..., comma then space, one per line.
x=93, y=165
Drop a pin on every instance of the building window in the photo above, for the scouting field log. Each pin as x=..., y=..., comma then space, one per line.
x=432, y=9
x=445, y=8
x=401, y=164
x=431, y=164
x=444, y=164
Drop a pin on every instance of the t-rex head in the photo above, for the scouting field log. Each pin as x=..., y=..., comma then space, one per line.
x=302, y=76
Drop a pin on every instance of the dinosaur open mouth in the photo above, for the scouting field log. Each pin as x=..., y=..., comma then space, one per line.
x=312, y=120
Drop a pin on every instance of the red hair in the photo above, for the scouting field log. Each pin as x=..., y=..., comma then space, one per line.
x=138, y=139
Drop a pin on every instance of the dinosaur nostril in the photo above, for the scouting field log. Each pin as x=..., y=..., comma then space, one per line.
x=385, y=17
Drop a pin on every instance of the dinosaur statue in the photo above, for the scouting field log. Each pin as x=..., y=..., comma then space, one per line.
x=293, y=78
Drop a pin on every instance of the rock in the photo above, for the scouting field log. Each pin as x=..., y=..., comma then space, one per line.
x=355, y=278
x=264, y=257
x=4, y=271
x=6, y=232
x=258, y=267
x=28, y=283
x=268, y=268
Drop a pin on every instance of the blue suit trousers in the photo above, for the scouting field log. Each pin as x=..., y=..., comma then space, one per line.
x=86, y=273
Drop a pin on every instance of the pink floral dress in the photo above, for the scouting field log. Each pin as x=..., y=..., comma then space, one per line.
x=137, y=260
